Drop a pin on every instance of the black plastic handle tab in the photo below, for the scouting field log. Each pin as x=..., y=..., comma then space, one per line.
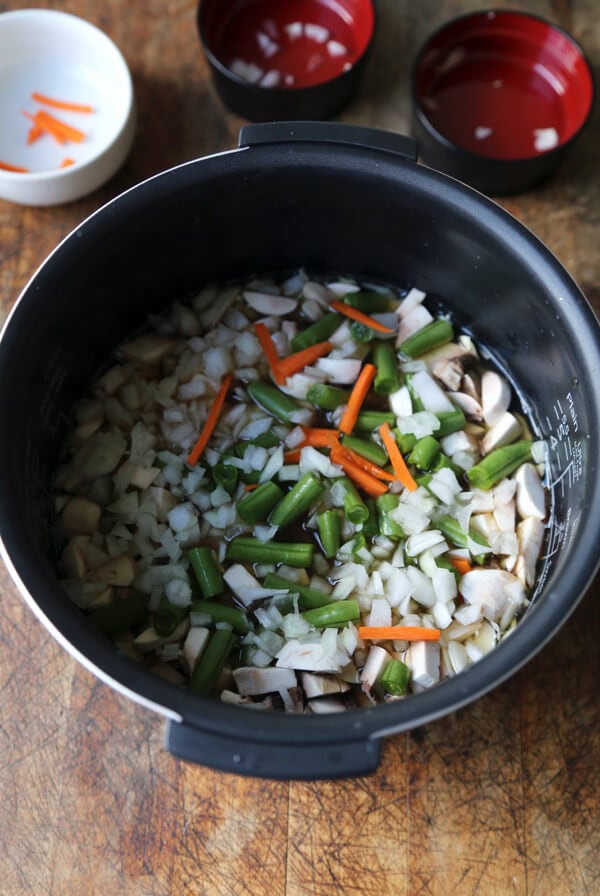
x=301, y=762
x=328, y=132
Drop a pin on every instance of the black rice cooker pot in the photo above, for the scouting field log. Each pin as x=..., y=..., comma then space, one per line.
x=336, y=200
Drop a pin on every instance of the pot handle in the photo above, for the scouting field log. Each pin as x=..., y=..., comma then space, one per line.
x=328, y=132
x=282, y=761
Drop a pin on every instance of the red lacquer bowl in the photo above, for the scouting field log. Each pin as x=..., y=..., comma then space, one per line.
x=498, y=96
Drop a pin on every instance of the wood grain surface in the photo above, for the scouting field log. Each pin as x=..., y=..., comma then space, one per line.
x=501, y=798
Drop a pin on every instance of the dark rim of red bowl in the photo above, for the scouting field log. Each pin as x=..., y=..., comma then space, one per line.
x=283, y=91
x=456, y=148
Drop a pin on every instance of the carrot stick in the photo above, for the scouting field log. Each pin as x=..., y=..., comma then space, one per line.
x=321, y=438
x=6, y=166
x=268, y=347
x=66, y=162
x=56, y=127
x=367, y=465
x=60, y=138
x=397, y=633
x=364, y=480
x=34, y=133
x=299, y=360
x=211, y=421
x=359, y=316
x=292, y=457
x=357, y=396
x=461, y=565
x=250, y=487
x=400, y=469
x=61, y=104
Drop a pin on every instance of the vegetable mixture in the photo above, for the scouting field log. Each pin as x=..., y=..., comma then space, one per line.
x=302, y=495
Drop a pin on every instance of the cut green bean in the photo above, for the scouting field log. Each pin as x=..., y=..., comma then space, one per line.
x=258, y=504
x=370, y=528
x=451, y=529
x=444, y=462
x=498, y=464
x=417, y=402
x=206, y=673
x=387, y=378
x=251, y=550
x=354, y=507
x=361, y=332
x=206, y=571
x=437, y=333
x=425, y=453
x=387, y=526
x=265, y=440
x=395, y=677
x=334, y=615
x=327, y=397
x=119, y=616
x=369, y=420
x=299, y=498
x=330, y=532
x=369, y=302
x=320, y=331
x=406, y=440
x=226, y=476
x=272, y=400
x=167, y=617
x=359, y=543
x=444, y=562
x=219, y=612
x=450, y=421
x=308, y=598
x=366, y=448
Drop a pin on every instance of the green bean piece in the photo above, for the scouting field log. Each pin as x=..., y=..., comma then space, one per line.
x=358, y=543
x=219, y=612
x=387, y=526
x=251, y=550
x=366, y=448
x=370, y=528
x=369, y=420
x=417, y=402
x=334, y=615
x=450, y=421
x=450, y=529
x=369, y=302
x=361, y=332
x=437, y=333
x=297, y=501
x=211, y=662
x=424, y=479
x=266, y=440
x=444, y=462
x=406, y=440
x=354, y=507
x=272, y=400
x=167, y=617
x=257, y=505
x=330, y=532
x=308, y=598
x=320, y=331
x=498, y=464
x=119, y=616
x=206, y=571
x=424, y=453
x=444, y=562
x=226, y=476
x=395, y=677
x=327, y=397
x=387, y=378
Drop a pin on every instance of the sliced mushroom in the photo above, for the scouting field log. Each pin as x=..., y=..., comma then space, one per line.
x=495, y=396
x=493, y=591
x=149, y=349
x=80, y=516
x=309, y=657
x=449, y=372
x=471, y=384
x=531, y=500
x=322, y=685
x=530, y=533
x=377, y=660
x=194, y=645
x=505, y=431
x=468, y=405
x=85, y=430
x=325, y=705
x=112, y=380
x=149, y=639
x=143, y=477
x=266, y=303
x=101, y=598
x=164, y=502
x=251, y=681
x=117, y=571
x=414, y=321
x=423, y=660
x=72, y=558
x=234, y=699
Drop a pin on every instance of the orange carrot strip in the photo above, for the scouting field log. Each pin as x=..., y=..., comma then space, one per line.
x=364, y=480
x=461, y=565
x=299, y=360
x=6, y=166
x=250, y=487
x=66, y=162
x=61, y=104
x=368, y=466
x=34, y=133
x=57, y=128
x=211, y=421
x=400, y=469
x=397, y=633
x=268, y=347
x=60, y=138
x=359, y=316
x=292, y=457
x=321, y=438
x=359, y=392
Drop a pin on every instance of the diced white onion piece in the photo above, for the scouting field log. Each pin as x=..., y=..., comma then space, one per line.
x=312, y=461
x=310, y=657
x=273, y=465
x=431, y=394
x=401, y=402
x=423, y=591
x=441, y=614
x=242, y=583
x=458, y=657
x=194, y=645
x=411, y=519
x=444, y=585
x=444, y=485
x=412, y=322
x=178, y=593
x=423, y=541
x=340, y=371
x=250, y=681
x=420, y=424
x=182, y=517
x=493, y=591
x=398, y=587
x=381, y=613
x=411, y=301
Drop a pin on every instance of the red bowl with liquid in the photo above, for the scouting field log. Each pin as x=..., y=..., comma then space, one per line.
x=286, y=59
x=498, y=97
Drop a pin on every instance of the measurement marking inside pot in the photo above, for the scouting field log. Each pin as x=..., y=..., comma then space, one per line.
x=558, y=416
x=562, y=475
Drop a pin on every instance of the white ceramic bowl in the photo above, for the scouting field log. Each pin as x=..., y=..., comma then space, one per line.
x=63, y=57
